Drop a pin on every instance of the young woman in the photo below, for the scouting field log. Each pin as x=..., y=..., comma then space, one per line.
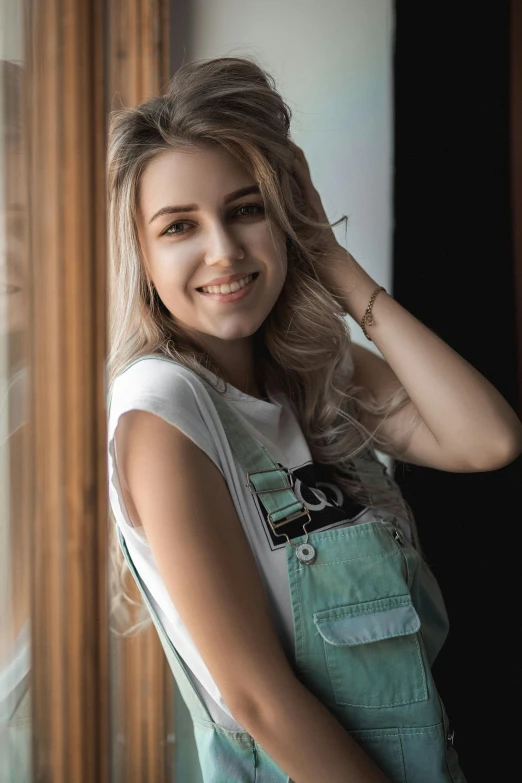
x=276, y=556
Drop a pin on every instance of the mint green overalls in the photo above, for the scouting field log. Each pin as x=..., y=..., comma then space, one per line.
x=369, y=620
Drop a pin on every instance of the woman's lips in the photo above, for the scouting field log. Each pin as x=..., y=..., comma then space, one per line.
x=234, y=296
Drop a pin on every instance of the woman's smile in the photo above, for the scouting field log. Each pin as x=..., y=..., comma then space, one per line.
x=235, y=296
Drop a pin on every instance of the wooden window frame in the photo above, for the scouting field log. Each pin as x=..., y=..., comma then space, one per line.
x=80, y=54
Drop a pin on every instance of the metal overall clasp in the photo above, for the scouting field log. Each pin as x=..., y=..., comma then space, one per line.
x=305, y=552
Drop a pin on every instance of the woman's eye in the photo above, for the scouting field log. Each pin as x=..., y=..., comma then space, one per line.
x=258, y=209
x=248, y=206
x=170, y=233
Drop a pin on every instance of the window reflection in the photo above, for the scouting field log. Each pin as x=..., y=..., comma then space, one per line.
x=15, y=735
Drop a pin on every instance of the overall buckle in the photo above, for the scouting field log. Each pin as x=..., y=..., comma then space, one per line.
x=291, y=518
x=308, y=554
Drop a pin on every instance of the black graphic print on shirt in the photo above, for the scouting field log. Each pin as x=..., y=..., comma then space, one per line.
x=329, y=506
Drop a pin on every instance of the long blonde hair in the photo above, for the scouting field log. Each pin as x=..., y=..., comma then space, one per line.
x=302, y=346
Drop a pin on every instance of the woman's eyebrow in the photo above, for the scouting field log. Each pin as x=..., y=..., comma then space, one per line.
x=250, y=189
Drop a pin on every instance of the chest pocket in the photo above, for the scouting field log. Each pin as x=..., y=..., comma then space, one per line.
x=373, y=653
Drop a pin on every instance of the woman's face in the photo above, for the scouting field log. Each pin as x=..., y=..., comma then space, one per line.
x=194, y=227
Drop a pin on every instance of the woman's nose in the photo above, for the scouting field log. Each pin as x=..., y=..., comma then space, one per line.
x=223, y=245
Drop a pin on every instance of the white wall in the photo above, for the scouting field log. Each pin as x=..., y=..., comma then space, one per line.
x=332, y=62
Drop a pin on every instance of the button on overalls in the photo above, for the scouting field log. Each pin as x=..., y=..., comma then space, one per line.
x=369, y=620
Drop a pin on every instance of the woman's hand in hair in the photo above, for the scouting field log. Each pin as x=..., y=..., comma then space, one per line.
x=302, y=174
x=334, y=266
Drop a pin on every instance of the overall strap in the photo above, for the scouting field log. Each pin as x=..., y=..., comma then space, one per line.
x=266, y=478
x=195, y=704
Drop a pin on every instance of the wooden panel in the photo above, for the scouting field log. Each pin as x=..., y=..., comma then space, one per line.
x=66, y=148
x=139, y=59
x=80, y=54
x=143, y=700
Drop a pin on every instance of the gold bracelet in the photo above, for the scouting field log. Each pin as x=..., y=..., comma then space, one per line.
x=367, y=319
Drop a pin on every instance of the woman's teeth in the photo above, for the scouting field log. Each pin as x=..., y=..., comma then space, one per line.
x=228, y=288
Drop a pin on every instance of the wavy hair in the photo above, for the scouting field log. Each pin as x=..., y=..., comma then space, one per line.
x=304, y=343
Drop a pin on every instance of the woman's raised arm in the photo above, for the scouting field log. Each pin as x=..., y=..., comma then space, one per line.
x=207, y=566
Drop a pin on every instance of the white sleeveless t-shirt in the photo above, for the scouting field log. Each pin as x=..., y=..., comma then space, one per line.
x=174, y=393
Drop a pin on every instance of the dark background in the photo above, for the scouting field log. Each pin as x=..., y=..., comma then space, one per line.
x=454, y=269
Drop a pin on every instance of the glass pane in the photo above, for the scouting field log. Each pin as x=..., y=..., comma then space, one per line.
x=15, y=487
